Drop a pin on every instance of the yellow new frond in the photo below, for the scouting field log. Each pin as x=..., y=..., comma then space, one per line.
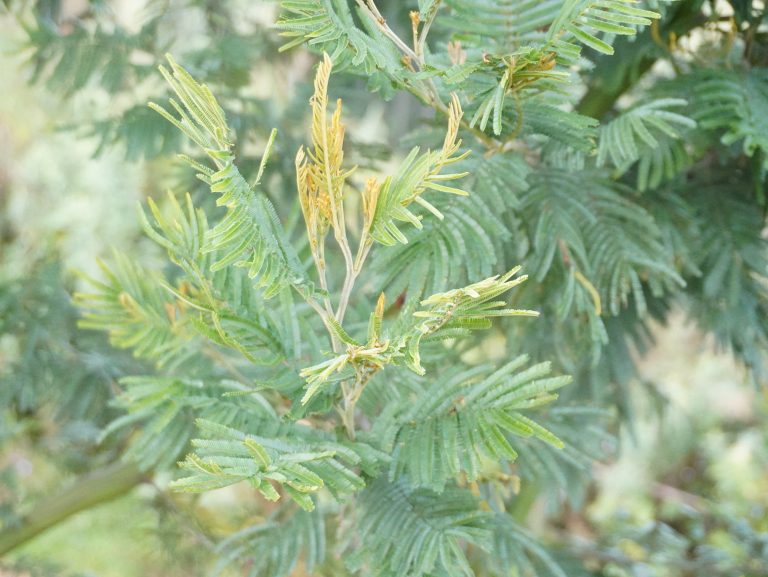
x=450, y=144
x=326, y=172
x=336, y=140
x=370, y=200
x=303, y=185
x=319, y=103
x=319, y=99
x=313, y=200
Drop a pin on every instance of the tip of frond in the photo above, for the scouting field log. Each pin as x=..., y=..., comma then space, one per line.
x=455, y=106
x=512, y=272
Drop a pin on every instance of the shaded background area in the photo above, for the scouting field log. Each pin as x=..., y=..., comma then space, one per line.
x=691, y=472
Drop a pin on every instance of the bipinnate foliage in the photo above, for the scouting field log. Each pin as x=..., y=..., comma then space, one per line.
x=281, y=416
x=561, y=195
x=333, y=368
x=502, y=56
x=516, y=69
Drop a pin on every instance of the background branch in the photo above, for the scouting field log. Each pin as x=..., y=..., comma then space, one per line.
x=92, y=489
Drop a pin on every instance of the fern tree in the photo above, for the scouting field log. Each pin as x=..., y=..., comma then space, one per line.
x=333, y=366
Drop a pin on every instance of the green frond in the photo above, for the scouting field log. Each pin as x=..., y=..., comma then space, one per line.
x=221, y=305
x=135, y=130
x=636, y=133
x=505, y=24
x=329, y=26
x=276, y=546
x=92, y=52
x=55, y=367
x=416, y=175
x=462, y=421
x=417, y=532
x=165, y=408
x=514, y=549
x=606, y=245
x=730, y=297
x=662, y=163
x=445, y=253
x=538, y=117
x=562, y=470
x=594, y=22
x=133, y=307
x=468, y=243
x=250, y=234
x=736, y=102
x=301, y=464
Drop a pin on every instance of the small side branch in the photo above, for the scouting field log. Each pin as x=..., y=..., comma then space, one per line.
x=370, y=8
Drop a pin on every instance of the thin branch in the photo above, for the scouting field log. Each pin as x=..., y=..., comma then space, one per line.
x=321, y=268
x=370, y=8
x=352, y=396
x=324, y=316
x=422, y=39
x=349, y=282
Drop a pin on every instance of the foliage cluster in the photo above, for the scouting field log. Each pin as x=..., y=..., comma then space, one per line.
x=339, y=378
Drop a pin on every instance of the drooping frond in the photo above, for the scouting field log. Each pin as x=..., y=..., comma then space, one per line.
x=55, y=367
x=165, y=408
x=515, y=549
x=643, y=128
x=562, y=470
x=329, y=26
x=583, y=21
x=250, y=235
x=468, y=243
x=607, y=244
x=276, y=546
x=462, y=420
x=137, y=131
x=417, y=532
x=730, y=296
x=538, y=117
x=100, y=51
x=670, y=158
x=505, y=24
x=445, y=253
x=738, y=103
